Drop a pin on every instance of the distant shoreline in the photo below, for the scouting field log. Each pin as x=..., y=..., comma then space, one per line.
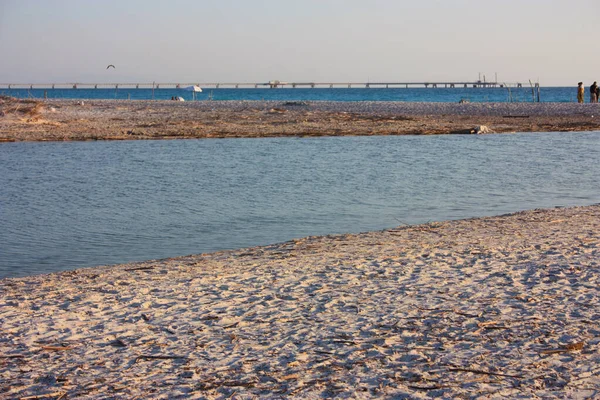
x=80, y=120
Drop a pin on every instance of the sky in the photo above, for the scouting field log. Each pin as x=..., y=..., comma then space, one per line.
x=555, y=42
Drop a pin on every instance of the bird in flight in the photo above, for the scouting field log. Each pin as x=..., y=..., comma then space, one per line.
x=110, y=66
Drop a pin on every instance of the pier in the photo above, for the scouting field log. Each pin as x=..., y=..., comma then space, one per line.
x=271, y=84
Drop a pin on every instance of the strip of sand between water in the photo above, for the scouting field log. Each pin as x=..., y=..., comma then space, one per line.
x=59, y=120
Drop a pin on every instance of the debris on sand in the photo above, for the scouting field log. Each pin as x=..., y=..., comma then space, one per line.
x=23, y=108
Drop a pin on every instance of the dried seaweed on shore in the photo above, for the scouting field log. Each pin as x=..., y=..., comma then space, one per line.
x=21, y=107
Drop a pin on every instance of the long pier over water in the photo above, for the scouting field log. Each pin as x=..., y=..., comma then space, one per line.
x=270, y=84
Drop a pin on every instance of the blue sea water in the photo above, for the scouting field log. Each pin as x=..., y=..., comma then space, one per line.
x=449, y=95
x=77, y=204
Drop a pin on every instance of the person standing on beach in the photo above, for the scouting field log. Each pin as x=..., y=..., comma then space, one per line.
x=580, y=92
x=597, y=93
x=593, y=94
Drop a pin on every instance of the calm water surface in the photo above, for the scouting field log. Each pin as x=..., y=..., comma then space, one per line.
x=77, y=204
x=444, y=95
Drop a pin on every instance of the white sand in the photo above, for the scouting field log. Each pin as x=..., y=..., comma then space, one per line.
x=502, y=307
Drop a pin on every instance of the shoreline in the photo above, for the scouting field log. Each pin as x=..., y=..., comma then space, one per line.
x=78, y=120
x=492, y=306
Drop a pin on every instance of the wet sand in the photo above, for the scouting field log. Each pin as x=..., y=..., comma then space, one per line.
x=497, y=307
x=58, y=120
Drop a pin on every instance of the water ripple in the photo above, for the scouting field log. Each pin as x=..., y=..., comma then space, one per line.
x=69, y=205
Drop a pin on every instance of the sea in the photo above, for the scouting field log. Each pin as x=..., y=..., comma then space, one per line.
x=449, y=95
x=67, y=205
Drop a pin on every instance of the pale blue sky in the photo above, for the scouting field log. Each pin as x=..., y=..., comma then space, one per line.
x=44, y=41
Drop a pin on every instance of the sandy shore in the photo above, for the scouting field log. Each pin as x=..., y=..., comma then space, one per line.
x=499, y=307
x=31, y=120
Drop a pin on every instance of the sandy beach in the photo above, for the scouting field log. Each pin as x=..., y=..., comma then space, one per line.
x=496, y=307
x=58, y=120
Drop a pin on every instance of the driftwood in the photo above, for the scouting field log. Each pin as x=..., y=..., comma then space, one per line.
x=482, y=372
x=565, y=349
x=56, y=348
x=166, y=357
x=139, y=269
x=45, y=396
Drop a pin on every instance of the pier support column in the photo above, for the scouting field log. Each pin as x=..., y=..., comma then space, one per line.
x=426, y=85
x=349, y=86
